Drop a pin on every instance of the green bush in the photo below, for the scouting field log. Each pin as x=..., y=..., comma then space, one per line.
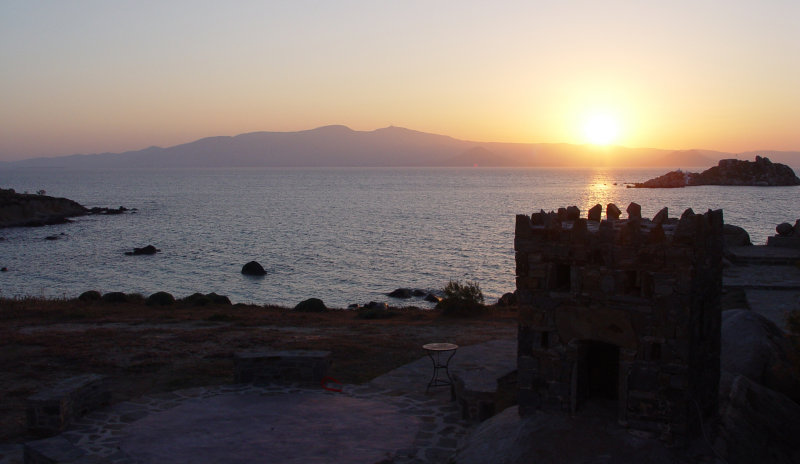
x=461, y=299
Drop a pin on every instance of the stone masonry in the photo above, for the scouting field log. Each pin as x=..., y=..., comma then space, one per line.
x=52, y=410
x=621, y=314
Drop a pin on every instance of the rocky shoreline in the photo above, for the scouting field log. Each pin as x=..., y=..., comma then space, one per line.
x=761, y=173
x=36, y=210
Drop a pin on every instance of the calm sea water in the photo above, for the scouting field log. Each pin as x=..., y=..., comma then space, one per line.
x=342, y=235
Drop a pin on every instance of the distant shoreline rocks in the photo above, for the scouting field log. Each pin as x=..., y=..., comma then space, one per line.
x=36, y=210
x=407, y=293
x=761, y=173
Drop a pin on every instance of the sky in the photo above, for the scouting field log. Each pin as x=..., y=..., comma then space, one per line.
x=110, y=76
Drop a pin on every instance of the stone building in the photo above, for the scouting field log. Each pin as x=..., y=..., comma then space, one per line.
x=621, y=316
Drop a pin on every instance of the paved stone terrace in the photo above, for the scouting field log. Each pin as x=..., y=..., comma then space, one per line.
x=390, y=419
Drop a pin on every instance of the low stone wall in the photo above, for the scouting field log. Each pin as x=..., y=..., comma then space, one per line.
x=276, y=367
x=51, y=411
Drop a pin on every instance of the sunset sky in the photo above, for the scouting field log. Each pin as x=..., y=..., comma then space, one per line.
x=108, y=76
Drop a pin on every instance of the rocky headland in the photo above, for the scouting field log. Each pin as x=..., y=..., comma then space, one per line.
x=35, y=210
x=762, y=172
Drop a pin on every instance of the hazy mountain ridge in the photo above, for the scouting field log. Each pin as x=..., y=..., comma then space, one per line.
x=333, y=146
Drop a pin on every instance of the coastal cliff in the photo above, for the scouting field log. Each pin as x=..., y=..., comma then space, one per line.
x=26, y=210
x=761, y=172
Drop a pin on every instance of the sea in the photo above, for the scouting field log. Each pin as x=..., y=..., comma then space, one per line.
x=344, y=235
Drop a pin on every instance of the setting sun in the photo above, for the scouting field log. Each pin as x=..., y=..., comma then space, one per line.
x=601, y=129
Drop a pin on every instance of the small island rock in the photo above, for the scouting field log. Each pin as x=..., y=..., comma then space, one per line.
x=761, y=172
x=253, y=268
x=148, y=250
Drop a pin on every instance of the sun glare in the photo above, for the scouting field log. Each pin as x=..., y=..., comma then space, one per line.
x=601, y=129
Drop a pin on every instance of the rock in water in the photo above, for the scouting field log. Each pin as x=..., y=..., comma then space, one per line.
x=253, y=268
x=400, y=293
x=148, y=250
x=761, y=172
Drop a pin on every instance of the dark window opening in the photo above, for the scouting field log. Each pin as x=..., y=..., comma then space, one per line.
x=634, y=286
x=545, y=340
x=562, y=277
x=655, y=352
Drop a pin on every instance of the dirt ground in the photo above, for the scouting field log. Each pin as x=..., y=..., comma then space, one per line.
x=145, y=349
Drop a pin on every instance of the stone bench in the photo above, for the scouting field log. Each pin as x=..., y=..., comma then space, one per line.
x=52, y=410
x=481, y=392
x=281, y=367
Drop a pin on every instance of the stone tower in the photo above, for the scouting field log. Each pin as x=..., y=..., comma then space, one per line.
x=621, y=314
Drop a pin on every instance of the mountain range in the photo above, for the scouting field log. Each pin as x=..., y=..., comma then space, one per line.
x=334, y=146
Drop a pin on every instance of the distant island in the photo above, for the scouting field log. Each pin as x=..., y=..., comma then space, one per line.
x=340, y=146
x=762, y=172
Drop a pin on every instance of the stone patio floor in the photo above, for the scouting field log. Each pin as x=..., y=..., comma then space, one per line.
x=390, y=419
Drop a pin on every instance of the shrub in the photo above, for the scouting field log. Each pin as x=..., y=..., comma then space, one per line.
x=461, y=299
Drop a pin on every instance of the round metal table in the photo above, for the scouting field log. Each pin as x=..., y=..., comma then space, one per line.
x=440, y=354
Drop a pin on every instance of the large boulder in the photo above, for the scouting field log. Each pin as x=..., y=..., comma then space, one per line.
x=115, y=297
x=784, y=229
x=311, y=305
x=753, y=346
x=756, y=424
x=90, y=295
x=508, y=299
x=734, y=236
x=199, y=299
x=160, y=299
x=253, y=268
x=401, y=293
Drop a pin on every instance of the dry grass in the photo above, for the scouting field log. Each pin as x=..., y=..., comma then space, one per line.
x=146, y=349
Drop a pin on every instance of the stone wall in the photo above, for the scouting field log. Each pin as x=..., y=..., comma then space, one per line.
x=52, y=410
x=621, y=313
